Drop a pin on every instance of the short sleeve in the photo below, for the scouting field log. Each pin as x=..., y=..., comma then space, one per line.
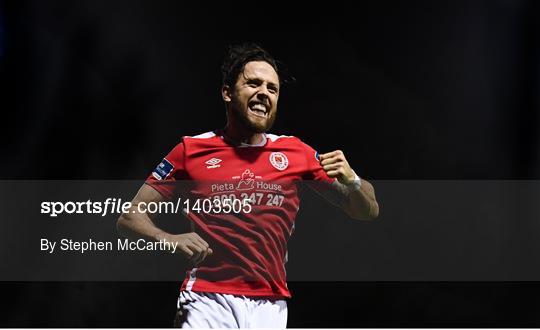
x=314, y=170
x=171, y=169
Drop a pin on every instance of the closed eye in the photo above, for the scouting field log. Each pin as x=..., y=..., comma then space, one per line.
x=273, y=89
x=253, y=82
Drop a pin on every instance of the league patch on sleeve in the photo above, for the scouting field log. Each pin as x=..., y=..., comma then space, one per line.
x=163, y=170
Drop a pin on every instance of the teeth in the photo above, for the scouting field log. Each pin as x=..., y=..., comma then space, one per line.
x=259, y=107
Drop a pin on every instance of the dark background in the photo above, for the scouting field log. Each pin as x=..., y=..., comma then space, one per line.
x=409, y=90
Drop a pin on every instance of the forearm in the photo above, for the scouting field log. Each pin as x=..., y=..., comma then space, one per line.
x=139, y=225
x=355, y=196
x=359, y=201
x=135, y=224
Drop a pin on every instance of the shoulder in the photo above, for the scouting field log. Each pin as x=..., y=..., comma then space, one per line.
x=280, y=138
x=205, y=135
x=290, y=141
x=190, y=142
x=202, y=140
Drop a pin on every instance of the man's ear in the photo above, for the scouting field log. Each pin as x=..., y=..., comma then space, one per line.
x=226, y=93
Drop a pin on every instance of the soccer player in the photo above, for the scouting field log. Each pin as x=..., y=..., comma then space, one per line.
x=238, y=253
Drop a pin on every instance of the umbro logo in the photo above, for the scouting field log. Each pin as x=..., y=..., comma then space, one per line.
x=213, y=163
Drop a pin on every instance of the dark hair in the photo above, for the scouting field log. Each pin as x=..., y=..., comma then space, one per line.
x=237, y=58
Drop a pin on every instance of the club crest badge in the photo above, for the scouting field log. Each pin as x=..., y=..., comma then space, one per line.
x=279, y=160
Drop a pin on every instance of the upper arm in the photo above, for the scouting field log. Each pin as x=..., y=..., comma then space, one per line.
x=168, y=172
x=147, y=194
x=135, y=223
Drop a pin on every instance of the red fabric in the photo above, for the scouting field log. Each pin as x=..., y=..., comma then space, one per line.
x=249, y=248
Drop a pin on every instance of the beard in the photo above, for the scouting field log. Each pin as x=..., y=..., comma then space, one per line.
x=252, y=126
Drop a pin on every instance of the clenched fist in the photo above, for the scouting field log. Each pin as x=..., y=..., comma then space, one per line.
x=336, y=166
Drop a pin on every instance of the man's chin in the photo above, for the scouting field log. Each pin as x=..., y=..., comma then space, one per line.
x=258, y=127
x=253, y=124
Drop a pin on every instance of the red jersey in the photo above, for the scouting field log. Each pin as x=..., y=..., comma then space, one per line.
x=250, y=245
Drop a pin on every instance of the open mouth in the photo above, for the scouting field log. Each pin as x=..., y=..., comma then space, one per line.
x=258, y=109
